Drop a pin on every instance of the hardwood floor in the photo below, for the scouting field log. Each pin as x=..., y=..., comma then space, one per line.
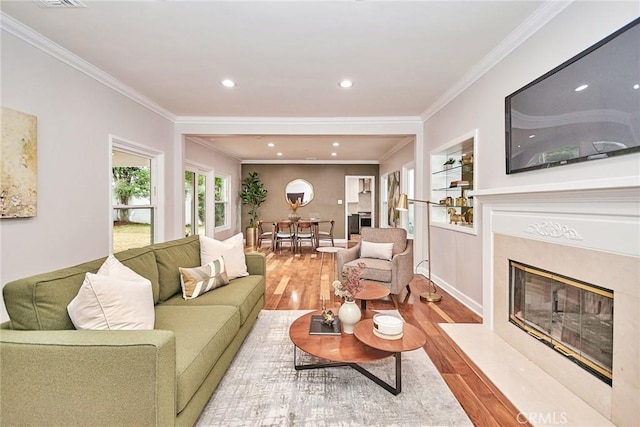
x=294, y=283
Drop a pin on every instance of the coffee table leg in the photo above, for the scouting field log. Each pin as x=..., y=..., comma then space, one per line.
x=363, y=304
x=393, y=390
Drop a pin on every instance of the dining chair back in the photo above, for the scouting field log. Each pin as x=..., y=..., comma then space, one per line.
x=265, y=233
x=285, y=233
x=305, y=232
x=324, y=231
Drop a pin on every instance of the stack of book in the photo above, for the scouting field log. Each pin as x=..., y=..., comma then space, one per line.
x=318, y=327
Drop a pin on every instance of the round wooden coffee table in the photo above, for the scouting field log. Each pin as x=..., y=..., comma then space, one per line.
x=350, y=350
x=344, y=348
x=412, y=339
x=371, y=291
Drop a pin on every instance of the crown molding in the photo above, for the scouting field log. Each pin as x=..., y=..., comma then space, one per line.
x=545, y=13
x=21, y=31
x=310, y=162
x=203, y=120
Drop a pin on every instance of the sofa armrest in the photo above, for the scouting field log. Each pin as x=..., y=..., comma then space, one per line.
x=402, y=269
x=344, y=256
x=87, y=377
x=256, y=263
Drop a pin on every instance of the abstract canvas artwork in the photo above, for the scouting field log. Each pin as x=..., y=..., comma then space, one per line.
x=393, y=193
x=18, y=165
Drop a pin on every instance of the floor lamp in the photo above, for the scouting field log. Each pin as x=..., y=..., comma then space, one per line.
x=403, y=205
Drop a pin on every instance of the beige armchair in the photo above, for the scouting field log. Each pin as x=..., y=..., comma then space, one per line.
x=389, y=265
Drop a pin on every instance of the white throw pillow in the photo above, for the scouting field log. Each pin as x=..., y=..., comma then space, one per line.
x=376, y=250
x=231, y=249
x=114, y=298
x=109, y=303
x=198, y=280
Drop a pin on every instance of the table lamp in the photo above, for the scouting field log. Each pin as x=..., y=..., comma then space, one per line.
x=403, y=205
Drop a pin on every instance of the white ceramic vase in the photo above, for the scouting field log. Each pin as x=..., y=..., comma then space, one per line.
x=349, y=314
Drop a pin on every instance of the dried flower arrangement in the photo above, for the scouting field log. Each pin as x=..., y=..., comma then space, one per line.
x=294, y=205
x=352, y=285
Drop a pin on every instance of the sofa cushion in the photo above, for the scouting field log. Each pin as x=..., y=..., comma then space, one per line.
x=143, y=262
x=202, y=335
x=231, y=249
x=397, y=236
x=170, y=256
x=376, y=250
x=112, y=303
x=243, y=293
x=40, y=302
x=378, y=270
x=199, y=280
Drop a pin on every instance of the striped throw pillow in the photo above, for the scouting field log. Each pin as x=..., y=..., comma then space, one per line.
x=196, y=281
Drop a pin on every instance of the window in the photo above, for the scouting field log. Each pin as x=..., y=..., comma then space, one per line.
x=221, y=200
x=195, y=188
x=135, y=214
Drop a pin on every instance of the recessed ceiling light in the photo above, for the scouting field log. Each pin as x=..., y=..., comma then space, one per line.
x=228, y=83
x=336, y=144
x=581, y=88
x=334, y=154
x=636, y=86
x=271, y=144
x=345, y=84
x=532, y=136
x=279, y=154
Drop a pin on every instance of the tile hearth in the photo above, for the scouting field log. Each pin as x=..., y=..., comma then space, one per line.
x=542, y=400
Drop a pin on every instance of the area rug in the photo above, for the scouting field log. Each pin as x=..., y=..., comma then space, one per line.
x=262, y=388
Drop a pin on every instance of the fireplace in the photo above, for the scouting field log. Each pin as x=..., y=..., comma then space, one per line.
x=573, y=240
x=572, y=317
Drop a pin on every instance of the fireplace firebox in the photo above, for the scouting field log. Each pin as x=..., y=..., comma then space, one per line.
x=572, y=317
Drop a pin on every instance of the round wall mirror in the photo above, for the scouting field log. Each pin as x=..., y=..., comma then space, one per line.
x=299, y=189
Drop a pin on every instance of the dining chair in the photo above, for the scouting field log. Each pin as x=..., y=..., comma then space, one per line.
x=304, y=231
x=322, y=233
x=266, y=234
x=284, y=232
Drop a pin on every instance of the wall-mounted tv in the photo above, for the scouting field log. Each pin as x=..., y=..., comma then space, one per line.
x=585, y=109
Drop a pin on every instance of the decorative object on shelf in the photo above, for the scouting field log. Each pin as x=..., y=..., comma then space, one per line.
x=461, y=201
x=387, y=327
x=467, y=159
x=403, y=205
x=294, y=216
x=470, y=216
x=455, y=218
x=448, y=201
x=349, y=314
x=459, y=183
x=449, y=163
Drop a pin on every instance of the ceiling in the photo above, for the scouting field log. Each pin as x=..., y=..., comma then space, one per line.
x=286, y=57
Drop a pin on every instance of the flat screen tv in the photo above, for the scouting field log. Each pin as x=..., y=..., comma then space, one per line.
x=585, y=109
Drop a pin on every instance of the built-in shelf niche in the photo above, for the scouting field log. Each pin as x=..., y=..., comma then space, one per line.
x=453, y=177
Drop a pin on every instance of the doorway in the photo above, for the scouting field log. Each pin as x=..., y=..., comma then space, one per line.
x=360, y=202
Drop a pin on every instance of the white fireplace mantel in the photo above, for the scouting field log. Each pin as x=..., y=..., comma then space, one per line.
x=599, y=214
x=576, y=229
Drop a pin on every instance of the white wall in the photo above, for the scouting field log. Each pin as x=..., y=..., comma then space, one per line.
x=221, y=164
x=457, y=257
x=75, y=115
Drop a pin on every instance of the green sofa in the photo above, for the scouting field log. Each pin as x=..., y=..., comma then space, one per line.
x=52, y=374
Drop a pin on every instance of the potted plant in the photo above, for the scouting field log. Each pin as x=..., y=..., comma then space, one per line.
x=449, y=163
x=253, y=194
